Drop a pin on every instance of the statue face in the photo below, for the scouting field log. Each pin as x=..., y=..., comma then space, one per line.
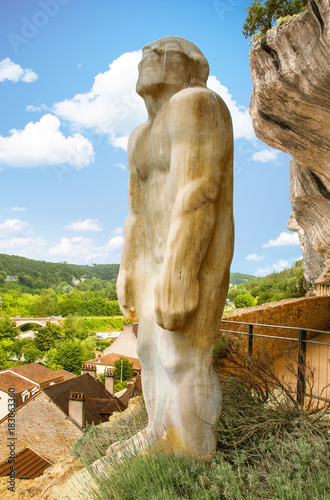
x=163, y=62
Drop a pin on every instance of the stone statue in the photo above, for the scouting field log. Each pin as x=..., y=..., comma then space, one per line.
x=178, y=244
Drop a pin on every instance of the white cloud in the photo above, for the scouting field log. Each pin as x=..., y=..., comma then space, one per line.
x=18, y=209
x=85, y=225
x=120, y=165
x=240, y=115
x=14, y=73
x=112, y=106
x=277, y=267
x=254, y=257
x=119, y=230
x=11, y=226
x=25, y=247
x=35, y=109
x=80, y=249
x=284, y=239
x=41, y=144
x=265, y=155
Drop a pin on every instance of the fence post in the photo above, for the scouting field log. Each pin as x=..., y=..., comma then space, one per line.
x=250, y=345
x=301, y=382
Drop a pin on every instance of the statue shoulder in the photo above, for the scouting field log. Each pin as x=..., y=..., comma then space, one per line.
x=195, y=95
x=195, y=105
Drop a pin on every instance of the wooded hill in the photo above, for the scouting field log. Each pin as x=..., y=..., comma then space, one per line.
x=35, y=275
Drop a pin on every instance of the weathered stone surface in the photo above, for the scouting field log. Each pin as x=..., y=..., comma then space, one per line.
x=178, y=242
x=290, y=110
x=314, y=262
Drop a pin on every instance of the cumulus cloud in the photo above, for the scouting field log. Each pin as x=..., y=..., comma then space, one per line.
x=265, y=155
x=80, y=249
x=111, y=106
x=284, y=239
x=254, y=257
x=240, y=115
x=277, y=267
x=42, y=144
x=85, y=225
x=119, y=230
x=25, y=247
x=11, y=226
x=18, y=209
x=14, y=73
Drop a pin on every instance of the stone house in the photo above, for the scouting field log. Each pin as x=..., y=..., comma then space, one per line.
x=51, y=420
x=27, y=380
x=125, y=345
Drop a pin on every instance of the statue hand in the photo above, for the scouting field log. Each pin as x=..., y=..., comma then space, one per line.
x=175, y=300
x=125, y=292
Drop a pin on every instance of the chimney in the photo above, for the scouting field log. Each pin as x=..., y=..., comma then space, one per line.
x=77, y=408
x=86, y=368
x=110, y=381
x=99, y=358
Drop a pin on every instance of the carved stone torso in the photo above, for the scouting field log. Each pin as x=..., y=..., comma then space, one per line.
x=149, y=156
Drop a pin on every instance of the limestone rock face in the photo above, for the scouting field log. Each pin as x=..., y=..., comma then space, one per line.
x=290, y=110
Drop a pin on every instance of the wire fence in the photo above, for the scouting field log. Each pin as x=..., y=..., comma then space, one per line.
x=299, y=356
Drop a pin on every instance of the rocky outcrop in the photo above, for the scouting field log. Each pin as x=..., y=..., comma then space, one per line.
x=290, y=110
x=314, y=262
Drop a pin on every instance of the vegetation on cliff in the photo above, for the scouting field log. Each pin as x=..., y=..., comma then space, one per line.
x=268, y=447
x=262, y=15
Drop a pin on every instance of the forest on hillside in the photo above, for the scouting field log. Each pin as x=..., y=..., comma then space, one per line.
x=35, y=275
x=285, y=284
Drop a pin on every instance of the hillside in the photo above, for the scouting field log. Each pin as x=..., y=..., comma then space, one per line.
x=239, y=278
x=34, y=275
x=288, y=283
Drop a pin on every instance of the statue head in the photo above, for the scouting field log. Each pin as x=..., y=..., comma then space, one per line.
x=171, y=61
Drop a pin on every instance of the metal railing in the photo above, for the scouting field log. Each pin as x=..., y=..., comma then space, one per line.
x=302, y=343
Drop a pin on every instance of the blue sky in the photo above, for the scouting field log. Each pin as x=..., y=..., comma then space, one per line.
x=68, y=70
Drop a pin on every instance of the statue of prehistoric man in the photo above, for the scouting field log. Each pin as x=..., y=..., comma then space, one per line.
x=178, y=242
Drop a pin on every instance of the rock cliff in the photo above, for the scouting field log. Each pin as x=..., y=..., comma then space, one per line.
x=290, y=110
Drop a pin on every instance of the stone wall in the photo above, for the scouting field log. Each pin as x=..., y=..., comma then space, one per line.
x=41, y=426
x=312, y=312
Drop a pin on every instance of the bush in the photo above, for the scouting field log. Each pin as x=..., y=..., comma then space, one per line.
x=244, y=300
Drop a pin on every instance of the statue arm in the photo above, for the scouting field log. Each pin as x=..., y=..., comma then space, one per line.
x=201, y=149
x=127, y=282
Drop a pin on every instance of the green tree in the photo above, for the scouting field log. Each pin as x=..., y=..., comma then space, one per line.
x=31, y=353
x=47, y=337
x=234, y=292
x=70, y=354
x=8, y=329
x=244, y=300
x=123, y=369
x=72, y=327
x=3, y=359
x=262, y=15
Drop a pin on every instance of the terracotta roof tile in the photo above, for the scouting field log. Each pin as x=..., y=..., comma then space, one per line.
x=29, y=465
x=86, y=384
x=9, y=379
x=36, y=372
x=109, y=359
